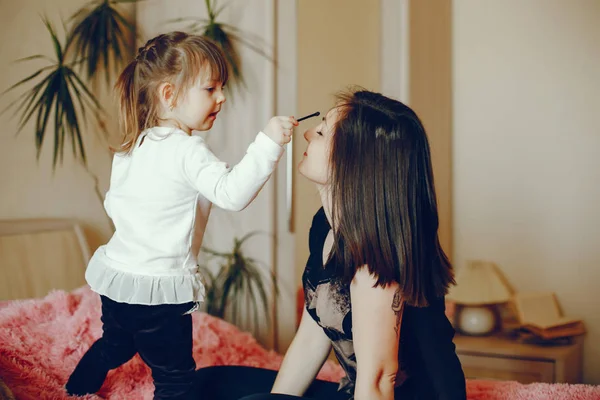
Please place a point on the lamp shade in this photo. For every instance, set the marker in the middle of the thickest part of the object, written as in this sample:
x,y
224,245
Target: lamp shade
x,y
480,283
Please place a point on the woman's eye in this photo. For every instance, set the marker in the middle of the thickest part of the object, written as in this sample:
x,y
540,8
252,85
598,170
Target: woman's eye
x,y
210,89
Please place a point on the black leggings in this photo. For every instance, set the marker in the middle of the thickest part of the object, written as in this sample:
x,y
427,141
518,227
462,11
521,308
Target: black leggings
x,y
248,383
161,334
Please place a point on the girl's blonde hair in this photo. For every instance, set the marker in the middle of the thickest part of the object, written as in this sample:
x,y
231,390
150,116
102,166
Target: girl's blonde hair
x,y
175,57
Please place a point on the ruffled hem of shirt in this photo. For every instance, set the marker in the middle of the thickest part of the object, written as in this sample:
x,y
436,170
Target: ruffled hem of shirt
x,y
124,287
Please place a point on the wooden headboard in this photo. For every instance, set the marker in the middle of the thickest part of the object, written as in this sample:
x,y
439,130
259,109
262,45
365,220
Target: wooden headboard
x,y
38,255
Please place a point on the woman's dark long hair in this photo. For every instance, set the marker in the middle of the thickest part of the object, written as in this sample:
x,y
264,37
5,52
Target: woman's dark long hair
x,y
384,203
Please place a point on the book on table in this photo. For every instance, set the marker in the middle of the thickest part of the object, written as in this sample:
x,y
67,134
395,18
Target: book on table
x,y
540,314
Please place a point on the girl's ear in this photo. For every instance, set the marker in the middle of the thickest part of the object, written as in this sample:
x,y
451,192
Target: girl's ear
x,y
166,94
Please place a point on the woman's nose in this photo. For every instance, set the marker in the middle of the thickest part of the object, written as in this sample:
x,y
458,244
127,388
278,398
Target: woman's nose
x,y
307,135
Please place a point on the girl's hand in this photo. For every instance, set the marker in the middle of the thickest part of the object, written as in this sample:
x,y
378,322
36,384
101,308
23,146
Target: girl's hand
x,y
279,129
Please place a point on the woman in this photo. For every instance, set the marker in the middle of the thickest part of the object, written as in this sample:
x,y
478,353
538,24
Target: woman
x,y
376,277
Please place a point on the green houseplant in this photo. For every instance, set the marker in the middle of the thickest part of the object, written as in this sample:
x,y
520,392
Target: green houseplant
x,y
240,289
102,36
61,101
226,36
61,94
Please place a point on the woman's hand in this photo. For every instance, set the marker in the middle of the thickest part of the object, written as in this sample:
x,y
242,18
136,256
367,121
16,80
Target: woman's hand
x,y
376,323
303,359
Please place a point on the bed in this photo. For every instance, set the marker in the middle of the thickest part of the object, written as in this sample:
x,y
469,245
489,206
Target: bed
x,y
41,340
43,337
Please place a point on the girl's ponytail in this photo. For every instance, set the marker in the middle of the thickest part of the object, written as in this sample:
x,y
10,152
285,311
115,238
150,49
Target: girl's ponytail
x,y
127,94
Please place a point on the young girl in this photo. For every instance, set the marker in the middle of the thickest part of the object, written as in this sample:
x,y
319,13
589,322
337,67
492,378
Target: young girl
x,y
164,181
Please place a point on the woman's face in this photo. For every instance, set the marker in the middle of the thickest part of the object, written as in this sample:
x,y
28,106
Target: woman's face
x,y
315,162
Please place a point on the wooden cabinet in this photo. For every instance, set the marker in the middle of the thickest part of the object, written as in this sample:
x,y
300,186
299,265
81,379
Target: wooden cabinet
x,y
499,358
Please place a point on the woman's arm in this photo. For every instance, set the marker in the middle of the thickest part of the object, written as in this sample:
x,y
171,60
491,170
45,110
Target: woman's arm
x,y
376,316
303,359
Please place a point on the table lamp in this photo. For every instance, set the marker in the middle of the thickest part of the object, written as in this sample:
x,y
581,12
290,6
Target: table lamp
x,y
480,287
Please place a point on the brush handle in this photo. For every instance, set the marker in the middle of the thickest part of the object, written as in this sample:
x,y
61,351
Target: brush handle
x,y
315,114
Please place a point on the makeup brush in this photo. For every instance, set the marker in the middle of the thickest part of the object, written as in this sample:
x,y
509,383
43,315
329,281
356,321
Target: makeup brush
x,y
315,114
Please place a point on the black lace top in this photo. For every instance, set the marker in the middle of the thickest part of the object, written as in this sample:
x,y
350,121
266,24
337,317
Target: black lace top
x,y
426,353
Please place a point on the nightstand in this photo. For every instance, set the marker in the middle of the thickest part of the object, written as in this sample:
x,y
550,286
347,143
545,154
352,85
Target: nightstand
x,y
500,358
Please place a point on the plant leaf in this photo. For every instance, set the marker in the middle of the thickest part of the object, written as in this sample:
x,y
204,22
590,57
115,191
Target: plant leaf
x,y
35,57
70,113
256,277
220,9
213,252
60,92
242,287
30,77
251,46
57,125
91,97
249,235
25,99
46,102
250,302
57,47
226,37
102,37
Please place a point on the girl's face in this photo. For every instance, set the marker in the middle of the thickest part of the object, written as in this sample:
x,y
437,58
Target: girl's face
x,y
315,162
198,107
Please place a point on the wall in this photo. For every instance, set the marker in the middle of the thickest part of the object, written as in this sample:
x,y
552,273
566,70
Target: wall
x,y
338,45
526,142
430,95
30,189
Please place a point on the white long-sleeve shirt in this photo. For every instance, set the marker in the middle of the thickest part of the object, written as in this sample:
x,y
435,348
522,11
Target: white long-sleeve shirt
x,y
159,199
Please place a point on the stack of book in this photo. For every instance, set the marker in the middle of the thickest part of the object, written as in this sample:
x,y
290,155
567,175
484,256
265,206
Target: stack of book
x,y
540,314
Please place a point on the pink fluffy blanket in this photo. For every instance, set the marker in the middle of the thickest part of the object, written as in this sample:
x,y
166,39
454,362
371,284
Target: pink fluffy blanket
x,y
42,340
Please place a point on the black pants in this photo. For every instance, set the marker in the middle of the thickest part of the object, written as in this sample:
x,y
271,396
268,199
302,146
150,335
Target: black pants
x,y
236,382
161,334
248,383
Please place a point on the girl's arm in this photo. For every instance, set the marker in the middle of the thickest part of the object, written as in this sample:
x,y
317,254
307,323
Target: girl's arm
x,y
229,188
376,317
303,359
